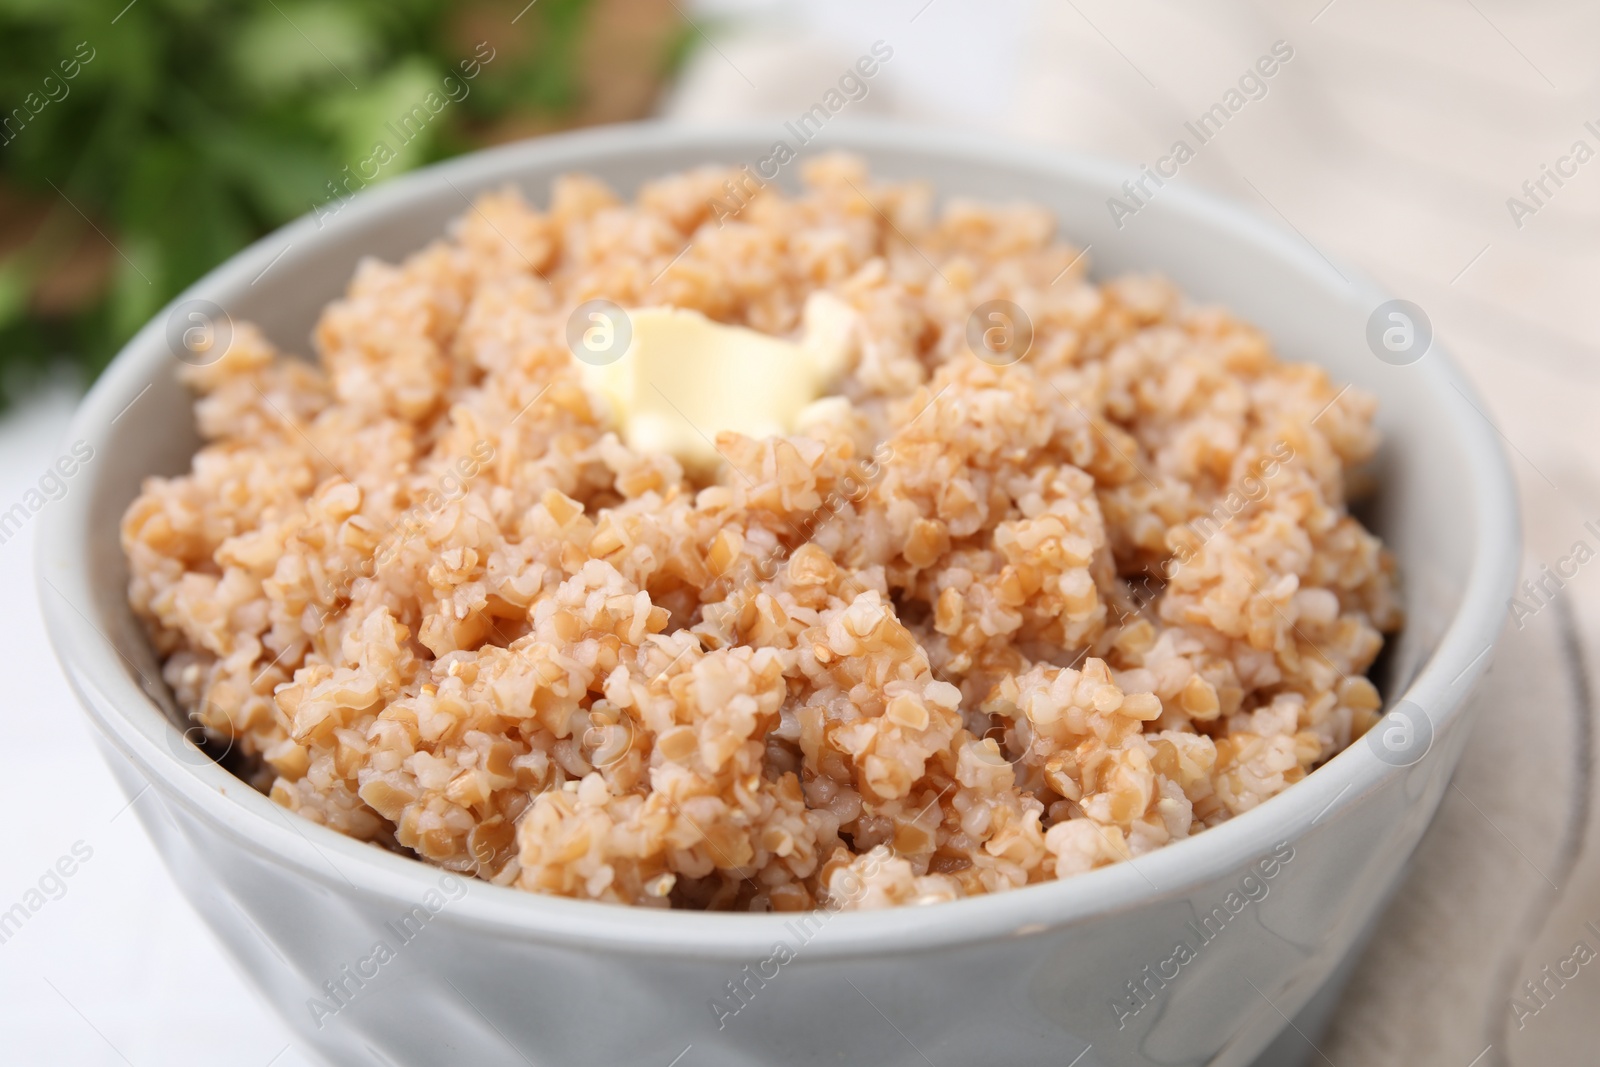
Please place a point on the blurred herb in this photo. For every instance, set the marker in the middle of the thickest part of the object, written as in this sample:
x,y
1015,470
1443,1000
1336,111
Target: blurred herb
x,y
142,143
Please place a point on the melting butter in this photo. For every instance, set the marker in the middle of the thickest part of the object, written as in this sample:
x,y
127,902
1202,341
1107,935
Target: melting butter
x,y
684,378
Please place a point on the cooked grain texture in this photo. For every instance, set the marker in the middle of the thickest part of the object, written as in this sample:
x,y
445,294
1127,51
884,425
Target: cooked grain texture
x,y
979,627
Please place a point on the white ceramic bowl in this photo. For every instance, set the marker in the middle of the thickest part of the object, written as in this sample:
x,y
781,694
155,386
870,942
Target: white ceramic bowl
x,y
488,976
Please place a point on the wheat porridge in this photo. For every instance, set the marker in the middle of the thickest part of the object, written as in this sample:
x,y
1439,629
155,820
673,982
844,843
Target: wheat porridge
x,y
963,628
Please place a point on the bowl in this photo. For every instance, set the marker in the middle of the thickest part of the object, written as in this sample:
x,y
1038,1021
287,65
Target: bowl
x,y
369,954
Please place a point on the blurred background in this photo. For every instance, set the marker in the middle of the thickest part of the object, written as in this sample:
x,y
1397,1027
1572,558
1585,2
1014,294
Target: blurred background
x,y
142,143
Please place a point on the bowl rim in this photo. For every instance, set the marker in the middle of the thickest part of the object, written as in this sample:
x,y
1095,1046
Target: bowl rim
x,y
132,722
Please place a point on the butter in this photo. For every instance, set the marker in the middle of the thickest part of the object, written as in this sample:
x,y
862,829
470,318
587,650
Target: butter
x,y
684,378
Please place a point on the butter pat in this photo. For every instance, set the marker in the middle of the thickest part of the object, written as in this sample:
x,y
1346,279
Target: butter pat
x,y
684,378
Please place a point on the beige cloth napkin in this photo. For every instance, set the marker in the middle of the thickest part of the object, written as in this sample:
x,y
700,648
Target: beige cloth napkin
x,y
1394,138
